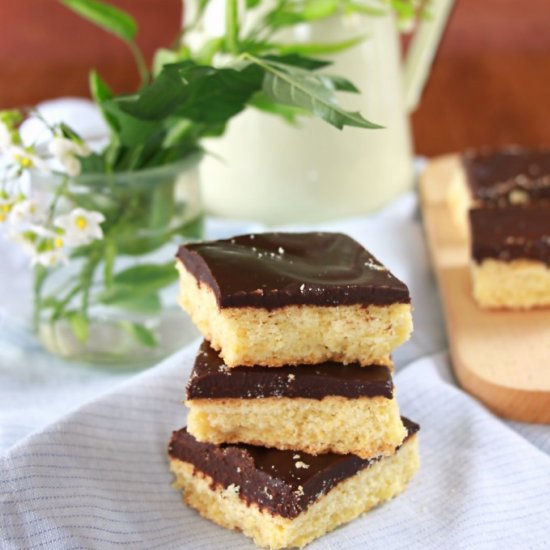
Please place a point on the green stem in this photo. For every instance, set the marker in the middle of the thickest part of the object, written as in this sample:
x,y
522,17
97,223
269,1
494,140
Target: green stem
x,y
86,279
140,62
37,114
60,308
62,189
40,274
232,26
176,44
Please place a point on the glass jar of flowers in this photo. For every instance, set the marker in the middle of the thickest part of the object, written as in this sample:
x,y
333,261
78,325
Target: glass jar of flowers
x,y
101,225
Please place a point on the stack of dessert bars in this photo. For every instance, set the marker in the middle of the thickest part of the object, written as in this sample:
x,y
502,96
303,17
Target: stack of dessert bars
x,y
500,200
293,427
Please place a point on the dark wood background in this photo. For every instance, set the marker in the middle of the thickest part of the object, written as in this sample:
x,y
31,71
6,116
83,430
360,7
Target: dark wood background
x,y
490,83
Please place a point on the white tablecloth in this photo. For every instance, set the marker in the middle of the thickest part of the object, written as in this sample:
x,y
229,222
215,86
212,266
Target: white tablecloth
x,y
98,477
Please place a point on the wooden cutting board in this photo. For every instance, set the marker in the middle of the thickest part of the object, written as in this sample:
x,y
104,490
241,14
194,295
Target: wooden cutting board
x,y
500,357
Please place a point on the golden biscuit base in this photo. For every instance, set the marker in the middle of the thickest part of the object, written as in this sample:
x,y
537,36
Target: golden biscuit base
x,y
367,427
292,335
380,482
518,284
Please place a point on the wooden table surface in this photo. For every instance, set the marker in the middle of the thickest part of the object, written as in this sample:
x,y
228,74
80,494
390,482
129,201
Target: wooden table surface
x,y
490,80
489,84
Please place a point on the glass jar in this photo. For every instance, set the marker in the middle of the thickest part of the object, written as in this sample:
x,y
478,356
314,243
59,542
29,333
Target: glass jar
x,y
115,301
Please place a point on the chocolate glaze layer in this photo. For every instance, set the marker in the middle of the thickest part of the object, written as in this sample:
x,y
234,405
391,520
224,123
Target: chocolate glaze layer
x,y
511,233
272,270
511,175
283,483
211,378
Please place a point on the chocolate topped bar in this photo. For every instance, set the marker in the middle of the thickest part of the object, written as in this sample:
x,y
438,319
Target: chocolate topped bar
x,y
284,483
512,175
273,270
511,233
211,378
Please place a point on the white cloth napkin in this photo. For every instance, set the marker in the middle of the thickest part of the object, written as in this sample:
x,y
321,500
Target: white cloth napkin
x,y
98,478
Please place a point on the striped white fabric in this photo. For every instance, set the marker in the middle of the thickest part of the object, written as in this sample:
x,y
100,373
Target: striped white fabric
x,y
98,478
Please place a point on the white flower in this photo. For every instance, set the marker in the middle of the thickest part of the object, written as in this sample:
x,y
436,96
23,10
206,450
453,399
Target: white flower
x,y
72,166
27,211
81,226
42,231
66,152
46,247
50,258
27,159
6,204
62,146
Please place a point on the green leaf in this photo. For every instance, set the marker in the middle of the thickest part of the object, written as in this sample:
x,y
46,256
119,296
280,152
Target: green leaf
x,y
150,276
172,145
340,83
118,294
292,86
251,4
99,88
288,14
130,300
179,131
50,302
159,99
404,8
319,9
135,285
129,158
58,310
299,60
131,131
110,257
213,95
79,326
11,117
93,164
162,206
127,242
68,132
148,304
107,17
312,48
101,92
206,95
359,7
143,155
164,57
141,333
203,4
286,112
209,49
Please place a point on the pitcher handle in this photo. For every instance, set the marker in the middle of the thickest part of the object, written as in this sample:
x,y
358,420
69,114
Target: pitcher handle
x,y
422,50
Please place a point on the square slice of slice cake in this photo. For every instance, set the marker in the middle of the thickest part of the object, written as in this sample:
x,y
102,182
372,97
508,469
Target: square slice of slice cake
x,y
284,499
489,178
321,408
511,256
278,299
